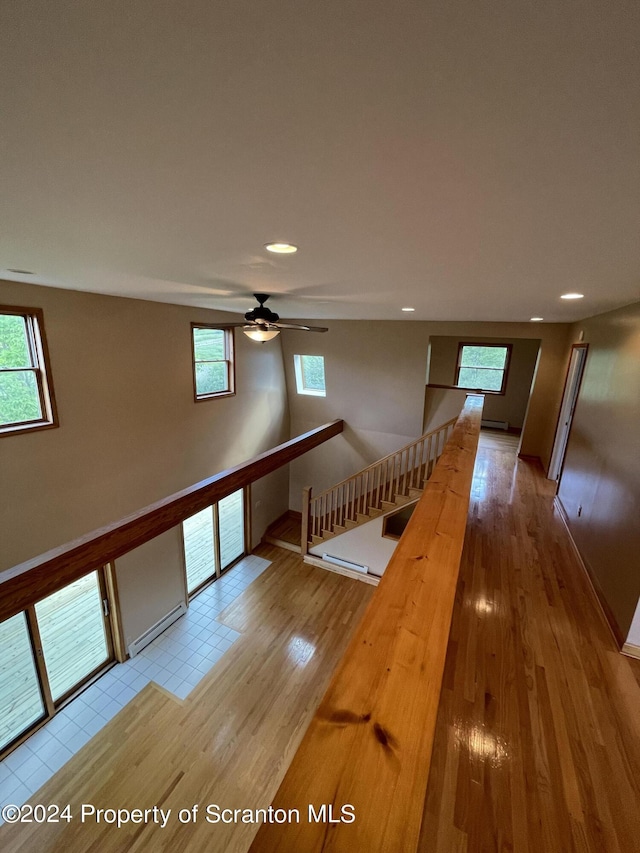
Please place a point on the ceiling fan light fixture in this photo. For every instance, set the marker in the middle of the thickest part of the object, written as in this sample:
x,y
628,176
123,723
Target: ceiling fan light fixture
x,y
281,248
261,335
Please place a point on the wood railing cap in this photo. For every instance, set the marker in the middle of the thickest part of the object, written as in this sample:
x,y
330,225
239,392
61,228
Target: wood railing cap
x,y
369,744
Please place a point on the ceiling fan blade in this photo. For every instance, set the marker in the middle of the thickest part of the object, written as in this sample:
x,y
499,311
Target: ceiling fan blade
x,y
229,325
302,328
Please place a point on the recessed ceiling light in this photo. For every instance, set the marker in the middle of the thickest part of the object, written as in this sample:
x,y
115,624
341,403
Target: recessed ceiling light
x,y
281,248
408,309
572,296
537,319
21,272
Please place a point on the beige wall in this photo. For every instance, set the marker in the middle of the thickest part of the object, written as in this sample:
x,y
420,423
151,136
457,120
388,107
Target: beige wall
x,y
601,473
151,582
375,374
511,406
130,432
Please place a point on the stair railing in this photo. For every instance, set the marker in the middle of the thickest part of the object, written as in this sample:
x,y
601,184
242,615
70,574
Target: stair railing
x,y
373,486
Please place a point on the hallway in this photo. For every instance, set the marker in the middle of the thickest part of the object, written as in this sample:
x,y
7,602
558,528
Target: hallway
x,y
537,743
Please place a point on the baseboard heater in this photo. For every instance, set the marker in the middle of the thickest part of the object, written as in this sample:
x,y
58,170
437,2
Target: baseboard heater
x,y
495,424
346,564
155,630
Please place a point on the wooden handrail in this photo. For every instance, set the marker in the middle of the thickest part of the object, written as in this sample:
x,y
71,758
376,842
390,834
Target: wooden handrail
x,y
389,456
393,475
32,580
369,743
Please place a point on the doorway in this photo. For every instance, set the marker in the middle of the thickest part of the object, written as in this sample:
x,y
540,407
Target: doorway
x,y
49,651
214,539
567,409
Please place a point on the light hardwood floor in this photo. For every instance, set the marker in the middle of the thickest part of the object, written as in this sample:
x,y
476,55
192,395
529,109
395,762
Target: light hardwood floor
x,y
230,741
537,745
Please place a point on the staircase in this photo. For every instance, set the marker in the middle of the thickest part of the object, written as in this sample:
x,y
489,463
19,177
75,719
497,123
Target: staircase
x,y
391,482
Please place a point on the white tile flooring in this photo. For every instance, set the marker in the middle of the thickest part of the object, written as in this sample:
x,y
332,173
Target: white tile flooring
x,y
176,660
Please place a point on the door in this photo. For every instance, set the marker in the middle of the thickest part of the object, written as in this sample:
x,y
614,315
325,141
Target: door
x,y
213,540
50,650
567,409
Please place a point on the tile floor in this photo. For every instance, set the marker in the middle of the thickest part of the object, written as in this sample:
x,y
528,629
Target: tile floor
x,y
176,660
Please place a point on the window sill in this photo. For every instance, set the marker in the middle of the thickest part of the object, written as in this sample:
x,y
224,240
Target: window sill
x,y
202,397
468,390
17,429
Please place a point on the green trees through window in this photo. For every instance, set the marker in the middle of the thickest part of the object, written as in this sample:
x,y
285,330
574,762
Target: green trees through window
x,y
25,399
212,361
483,367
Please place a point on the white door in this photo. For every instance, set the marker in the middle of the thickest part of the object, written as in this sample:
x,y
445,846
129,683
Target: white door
x,y
569,400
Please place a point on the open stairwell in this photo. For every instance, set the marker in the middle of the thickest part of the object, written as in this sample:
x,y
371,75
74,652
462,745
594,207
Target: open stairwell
x,y
391,482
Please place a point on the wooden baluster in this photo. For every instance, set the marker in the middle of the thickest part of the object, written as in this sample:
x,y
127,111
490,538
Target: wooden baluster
x,y
415,464
306,516
408,464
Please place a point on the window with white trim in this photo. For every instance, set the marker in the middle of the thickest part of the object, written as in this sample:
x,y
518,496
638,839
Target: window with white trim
x,y
310,375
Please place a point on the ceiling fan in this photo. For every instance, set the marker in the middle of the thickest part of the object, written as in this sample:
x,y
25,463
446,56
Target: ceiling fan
x,y
262,324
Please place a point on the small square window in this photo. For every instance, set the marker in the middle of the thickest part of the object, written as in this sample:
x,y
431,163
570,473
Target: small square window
x,y
213,369
483,367
310,375
26,394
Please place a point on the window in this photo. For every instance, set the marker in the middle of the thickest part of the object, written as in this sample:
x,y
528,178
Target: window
x,y
213,370
26,395
310,375
483,367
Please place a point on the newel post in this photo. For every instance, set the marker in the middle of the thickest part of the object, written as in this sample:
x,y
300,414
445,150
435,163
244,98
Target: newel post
x,y
306,520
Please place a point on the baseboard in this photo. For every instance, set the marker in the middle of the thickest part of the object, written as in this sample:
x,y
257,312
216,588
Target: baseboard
x,y
373,580
155,630
603,604
631,650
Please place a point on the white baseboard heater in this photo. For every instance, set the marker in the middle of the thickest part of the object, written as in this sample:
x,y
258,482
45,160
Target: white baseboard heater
x,y
495,424
155,630
346,564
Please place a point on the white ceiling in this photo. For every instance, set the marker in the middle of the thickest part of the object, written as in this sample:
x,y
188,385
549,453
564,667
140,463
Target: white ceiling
x,y
471,158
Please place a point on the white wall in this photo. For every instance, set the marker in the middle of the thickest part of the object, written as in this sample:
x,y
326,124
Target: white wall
x,y
151,581
634,631
365,545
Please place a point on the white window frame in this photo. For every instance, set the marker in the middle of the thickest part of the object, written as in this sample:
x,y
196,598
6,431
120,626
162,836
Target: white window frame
x,y
300,386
